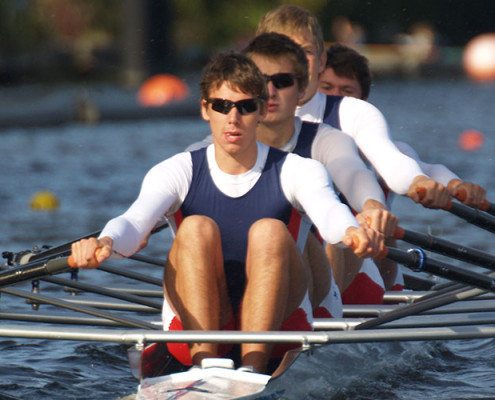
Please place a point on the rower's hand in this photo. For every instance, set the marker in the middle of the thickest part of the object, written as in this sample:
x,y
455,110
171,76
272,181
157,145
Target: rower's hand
x,y
376,216
90,253
365,242
468,193
429,193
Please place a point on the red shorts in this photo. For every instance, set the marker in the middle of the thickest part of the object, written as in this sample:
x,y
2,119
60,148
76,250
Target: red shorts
x,y
300,320
367,287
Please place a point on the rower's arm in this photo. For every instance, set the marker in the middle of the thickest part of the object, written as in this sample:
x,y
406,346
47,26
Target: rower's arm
x,y
164,188
369,129
338,152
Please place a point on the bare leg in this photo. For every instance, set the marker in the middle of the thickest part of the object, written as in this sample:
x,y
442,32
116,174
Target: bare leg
x,y
194,281
321,275
276,285
345,265
388,268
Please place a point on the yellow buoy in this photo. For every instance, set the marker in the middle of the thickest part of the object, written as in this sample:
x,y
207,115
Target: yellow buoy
x,y
44,200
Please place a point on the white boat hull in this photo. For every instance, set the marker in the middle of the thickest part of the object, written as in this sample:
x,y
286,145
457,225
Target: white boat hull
x,y
203,383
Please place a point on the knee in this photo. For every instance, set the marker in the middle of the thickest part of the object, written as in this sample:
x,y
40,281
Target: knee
x,y
196,227
268,231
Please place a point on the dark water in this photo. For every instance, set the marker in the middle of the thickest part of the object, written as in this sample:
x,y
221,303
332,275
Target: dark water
x,y
96,172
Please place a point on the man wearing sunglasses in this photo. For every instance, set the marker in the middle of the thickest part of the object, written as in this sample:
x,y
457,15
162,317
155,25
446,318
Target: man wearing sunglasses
x,y
285,67
358,119
234,262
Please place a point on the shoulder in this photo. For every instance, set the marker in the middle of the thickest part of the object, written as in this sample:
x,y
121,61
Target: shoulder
x,y
328,130
358,105
199,145
302,164
181,161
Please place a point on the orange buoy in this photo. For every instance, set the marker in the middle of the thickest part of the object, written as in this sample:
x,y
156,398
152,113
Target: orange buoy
x,y
162,89
479,57
471,140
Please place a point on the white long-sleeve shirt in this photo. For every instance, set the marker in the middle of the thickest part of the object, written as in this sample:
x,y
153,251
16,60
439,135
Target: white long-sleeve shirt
x,y
367,126
340,156
438,172
305,183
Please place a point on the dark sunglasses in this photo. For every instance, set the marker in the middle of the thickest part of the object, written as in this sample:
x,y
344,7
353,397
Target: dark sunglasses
x,y
244,107
282,80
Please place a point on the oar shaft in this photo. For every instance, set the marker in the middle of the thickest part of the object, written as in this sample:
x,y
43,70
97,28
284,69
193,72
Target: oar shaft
x,y
488,207
416,260
63,249
34,270
475,217
445,247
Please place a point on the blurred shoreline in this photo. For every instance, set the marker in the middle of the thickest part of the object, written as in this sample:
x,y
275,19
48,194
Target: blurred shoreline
x,y
37,105
42,104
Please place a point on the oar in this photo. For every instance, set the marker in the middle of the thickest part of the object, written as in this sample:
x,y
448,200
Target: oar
x,y
33,270
475,217
417,260
471,215
60,250
50,262
421,305
64,249
447,248
488,207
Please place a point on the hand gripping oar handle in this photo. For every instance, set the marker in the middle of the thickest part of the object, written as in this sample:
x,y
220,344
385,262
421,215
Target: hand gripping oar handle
x,y
485,206
65,248
447,248
34,270
475,217
417,260
72,263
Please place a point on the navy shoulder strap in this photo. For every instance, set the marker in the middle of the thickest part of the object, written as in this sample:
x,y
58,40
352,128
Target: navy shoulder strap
x,y
331,114
305,140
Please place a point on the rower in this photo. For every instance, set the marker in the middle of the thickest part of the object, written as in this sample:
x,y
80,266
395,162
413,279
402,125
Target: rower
x,y
359,119
234,262
347,73
285,66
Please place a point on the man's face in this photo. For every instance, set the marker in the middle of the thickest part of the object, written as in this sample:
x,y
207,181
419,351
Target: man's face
x,y
336,85
316,61
235,131
283,100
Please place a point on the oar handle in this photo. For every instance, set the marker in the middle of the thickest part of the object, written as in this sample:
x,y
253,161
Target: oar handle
x,y
355,244
421,191
471,215
462,194
72,262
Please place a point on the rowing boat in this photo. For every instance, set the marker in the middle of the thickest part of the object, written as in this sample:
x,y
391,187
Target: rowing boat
x,y
64,306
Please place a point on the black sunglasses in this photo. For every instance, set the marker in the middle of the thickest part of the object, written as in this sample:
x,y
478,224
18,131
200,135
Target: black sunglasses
x,y
244,107
282,80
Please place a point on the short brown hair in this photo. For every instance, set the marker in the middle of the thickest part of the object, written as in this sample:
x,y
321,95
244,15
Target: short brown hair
x,y
237,70
347,62
274,45
292,19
